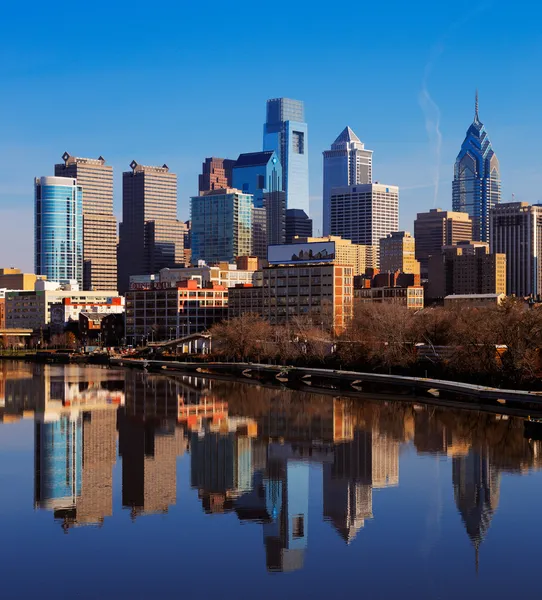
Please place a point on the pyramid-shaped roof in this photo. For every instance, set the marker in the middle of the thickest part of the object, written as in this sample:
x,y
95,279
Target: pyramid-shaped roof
x,y
347,135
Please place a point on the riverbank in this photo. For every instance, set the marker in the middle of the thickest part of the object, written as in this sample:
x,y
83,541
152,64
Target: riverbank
x,y
340,381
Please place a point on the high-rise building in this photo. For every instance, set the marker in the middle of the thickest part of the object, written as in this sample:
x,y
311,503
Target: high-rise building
x,y
148,194
221,226
259,233
397,253
347,163
99,223
365,213
59,241
216,174
438,228
477,185
285,132
298,224
466,268
260,174
516,231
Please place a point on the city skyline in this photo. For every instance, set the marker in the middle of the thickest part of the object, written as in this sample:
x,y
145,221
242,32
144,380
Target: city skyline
x,y
181,129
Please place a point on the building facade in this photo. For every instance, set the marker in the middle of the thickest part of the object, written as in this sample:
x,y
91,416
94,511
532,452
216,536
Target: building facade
x,y
221,226
365,213
99,223
171,312
298,224
285,132
347,163
68,310
437,228
148,194
216,174
476,187
516,231
260,174
397,253
412,296
225,274
466,268
13,279
58,223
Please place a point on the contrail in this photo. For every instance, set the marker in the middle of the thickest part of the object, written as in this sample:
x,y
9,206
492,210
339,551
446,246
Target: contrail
x,y
432,118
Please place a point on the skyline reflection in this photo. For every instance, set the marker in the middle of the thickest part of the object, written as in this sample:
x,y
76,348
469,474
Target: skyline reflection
x,y
251,451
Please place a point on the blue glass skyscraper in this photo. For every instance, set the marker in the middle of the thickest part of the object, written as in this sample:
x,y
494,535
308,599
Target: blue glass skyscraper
x,y
285,132
477,185
59,229
260,174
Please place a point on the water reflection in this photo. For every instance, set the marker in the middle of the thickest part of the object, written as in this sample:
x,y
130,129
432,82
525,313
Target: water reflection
x,y
251,451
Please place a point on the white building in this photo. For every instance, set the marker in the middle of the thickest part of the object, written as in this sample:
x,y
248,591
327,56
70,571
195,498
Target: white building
x,y
347,163
365,213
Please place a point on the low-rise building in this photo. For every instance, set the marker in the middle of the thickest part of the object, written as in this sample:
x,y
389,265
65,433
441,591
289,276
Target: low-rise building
x,y
108,329
245,298
68,309
33,310
171,311
473,300
410,296
13,279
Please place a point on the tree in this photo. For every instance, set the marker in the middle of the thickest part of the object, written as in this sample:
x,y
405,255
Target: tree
x,y
242,338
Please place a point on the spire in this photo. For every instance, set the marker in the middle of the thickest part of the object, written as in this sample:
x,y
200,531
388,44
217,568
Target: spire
x,y
476,119
347,135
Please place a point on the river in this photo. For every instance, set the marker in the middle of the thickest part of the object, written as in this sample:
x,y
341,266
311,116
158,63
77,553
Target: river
x,y
120,484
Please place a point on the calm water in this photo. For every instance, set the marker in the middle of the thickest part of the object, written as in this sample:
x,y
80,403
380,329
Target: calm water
x,y
116,484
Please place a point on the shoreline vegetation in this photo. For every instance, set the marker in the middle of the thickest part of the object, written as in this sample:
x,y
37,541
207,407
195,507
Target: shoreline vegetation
x,y
497,347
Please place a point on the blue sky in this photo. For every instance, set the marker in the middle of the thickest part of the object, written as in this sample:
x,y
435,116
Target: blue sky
x,y
175,82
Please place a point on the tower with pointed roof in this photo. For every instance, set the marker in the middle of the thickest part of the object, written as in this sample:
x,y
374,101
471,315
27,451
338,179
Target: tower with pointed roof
x,y
476,187
348,162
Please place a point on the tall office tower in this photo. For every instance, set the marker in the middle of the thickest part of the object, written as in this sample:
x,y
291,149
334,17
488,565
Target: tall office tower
x,y
397,253
99,224
516,230
259,233
221,226
298,224
365,213
150,234
216,174
285,132
438,228
476,188
260,174
466,268
58,239
347,163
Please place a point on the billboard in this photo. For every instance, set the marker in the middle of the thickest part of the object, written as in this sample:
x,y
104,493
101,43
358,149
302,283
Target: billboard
x,y
305,252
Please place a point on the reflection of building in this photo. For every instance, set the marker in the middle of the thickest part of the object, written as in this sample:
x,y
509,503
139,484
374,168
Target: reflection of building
x,y
149,451
221,462
369,461
476,490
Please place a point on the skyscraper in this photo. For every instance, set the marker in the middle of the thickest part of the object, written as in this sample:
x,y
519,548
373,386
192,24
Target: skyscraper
x,y
285,132
516,231
364,213
215,174
221,226
58,226
99,223
347,163
438,228
298,224
477,185
260,174
397,253
151,237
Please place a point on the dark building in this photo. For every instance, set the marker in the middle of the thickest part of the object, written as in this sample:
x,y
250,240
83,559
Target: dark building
x,y
216,174
298,224
151,237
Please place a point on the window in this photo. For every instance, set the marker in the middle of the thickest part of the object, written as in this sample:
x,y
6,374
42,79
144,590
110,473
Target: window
x,y
298,142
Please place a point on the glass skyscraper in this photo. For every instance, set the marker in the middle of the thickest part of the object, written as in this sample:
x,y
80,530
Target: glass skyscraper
x,y
477,184
347,163
59,229
285,132
221,226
